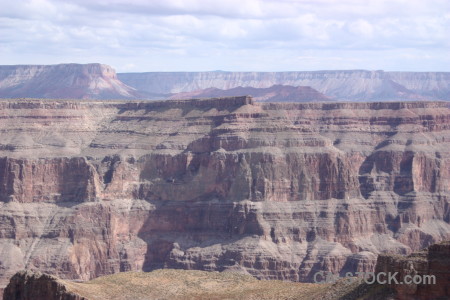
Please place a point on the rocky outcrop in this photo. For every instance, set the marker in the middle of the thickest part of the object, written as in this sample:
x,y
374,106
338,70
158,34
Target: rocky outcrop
x,y
275,93
429,269
350,85
278,191
69,81
28,285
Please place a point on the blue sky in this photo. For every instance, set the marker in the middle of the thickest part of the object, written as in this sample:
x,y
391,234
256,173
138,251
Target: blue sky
x,y
232,35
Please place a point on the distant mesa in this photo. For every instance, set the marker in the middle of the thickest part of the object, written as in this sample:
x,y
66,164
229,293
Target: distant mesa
x,y
65,81
275,93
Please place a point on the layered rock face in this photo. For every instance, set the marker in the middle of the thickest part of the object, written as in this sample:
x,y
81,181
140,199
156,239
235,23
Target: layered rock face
x,y
352,85
69,81
278,191
433,262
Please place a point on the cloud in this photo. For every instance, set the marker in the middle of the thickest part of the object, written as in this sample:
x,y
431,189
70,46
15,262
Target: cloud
x,y
231,35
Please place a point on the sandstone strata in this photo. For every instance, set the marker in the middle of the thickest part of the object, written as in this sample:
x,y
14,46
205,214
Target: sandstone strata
x,y
278,191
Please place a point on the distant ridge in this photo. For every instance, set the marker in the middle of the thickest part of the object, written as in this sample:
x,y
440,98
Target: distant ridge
x,y
349,85
275,93
66,81
99,81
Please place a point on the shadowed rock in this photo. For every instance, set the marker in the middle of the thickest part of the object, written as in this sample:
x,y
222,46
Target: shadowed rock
x,y
29,285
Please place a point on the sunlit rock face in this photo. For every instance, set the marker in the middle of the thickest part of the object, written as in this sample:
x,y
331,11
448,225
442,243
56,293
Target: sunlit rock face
x,y
279,191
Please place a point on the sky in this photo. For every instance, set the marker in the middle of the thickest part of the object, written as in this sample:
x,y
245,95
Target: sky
x,y
230,35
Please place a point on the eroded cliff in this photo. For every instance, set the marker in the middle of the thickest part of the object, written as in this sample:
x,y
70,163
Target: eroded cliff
x,y
278,191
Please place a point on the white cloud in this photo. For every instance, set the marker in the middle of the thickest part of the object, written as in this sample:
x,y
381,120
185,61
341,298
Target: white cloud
x,y
230,35
361,28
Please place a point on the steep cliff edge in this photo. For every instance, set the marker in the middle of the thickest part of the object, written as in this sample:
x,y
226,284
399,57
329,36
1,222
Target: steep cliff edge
x,y
349,85
278,191
69,81
429,270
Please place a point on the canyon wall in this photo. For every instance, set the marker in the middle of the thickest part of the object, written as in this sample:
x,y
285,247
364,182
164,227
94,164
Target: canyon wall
x,y
351,85
278,191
